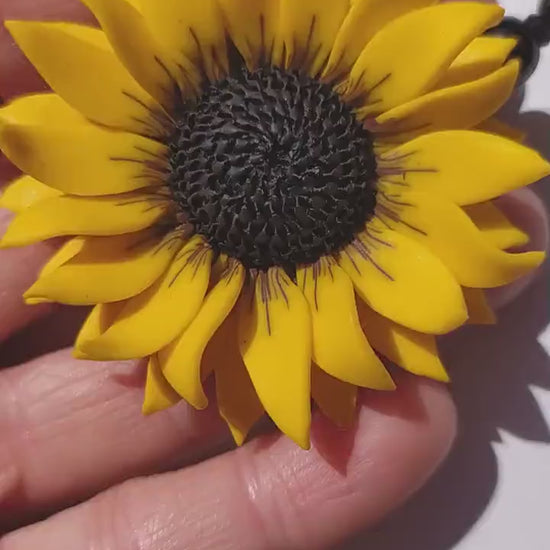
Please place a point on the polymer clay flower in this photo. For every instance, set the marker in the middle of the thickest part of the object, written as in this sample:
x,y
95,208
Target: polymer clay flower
x,y
286,195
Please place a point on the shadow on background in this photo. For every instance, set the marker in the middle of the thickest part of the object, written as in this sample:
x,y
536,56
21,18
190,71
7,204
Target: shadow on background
x,y
492,370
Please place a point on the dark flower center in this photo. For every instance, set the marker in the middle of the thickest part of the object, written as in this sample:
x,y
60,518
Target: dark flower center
x,y
273,169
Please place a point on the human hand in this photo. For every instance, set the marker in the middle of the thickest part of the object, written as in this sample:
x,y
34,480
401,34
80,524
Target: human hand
x,y
73,429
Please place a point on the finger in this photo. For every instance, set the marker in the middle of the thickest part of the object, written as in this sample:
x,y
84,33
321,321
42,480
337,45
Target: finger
x,y
270,494
18,270
526,210
65,493
71,428
55,328
17,75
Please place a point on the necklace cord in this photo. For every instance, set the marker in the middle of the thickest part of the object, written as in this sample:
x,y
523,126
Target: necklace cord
x,y
532,33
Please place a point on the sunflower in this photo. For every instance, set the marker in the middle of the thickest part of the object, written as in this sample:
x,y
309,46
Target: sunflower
x,y
286,196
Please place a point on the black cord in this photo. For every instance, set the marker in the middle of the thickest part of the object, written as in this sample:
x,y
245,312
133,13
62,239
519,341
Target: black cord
x,y
533,34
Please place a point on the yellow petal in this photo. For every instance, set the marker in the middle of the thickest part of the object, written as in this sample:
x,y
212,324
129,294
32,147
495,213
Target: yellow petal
x,y
307,30
275,342
135,43
413,351
496,126
150,321
158,393
24,192
238,401
252,27
339,345
218,348
41,109
404,281
65,253
106,269
98,322
448,232
412,53
479,310
192,30
495,226
99,216
181,360
465,166
462,106
336,399
81,159
483,56
364,20
78,63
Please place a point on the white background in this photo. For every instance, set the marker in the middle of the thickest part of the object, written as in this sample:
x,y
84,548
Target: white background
x,y
493,493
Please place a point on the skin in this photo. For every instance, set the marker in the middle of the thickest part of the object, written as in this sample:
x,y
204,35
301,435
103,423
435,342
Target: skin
x,y
76,449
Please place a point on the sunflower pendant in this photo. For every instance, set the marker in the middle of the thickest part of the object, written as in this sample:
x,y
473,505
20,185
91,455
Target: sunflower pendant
x,y
285,196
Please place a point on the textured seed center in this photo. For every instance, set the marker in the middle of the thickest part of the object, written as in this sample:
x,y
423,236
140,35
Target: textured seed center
x,y
273,169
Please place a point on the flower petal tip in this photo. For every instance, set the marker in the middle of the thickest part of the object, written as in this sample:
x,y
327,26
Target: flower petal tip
x,y
90,350
536,258
488,320
238,437
14,237
435,372
34,293
521,238
442,377
35,300
87,349
6,243
149,409
495,13
79,354
544,166
303,439
200,403
526,263
12,24
385,383
459,319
